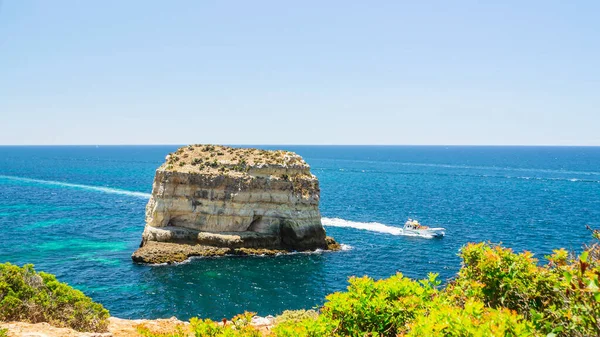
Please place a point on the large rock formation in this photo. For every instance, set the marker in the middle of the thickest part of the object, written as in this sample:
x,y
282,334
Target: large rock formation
x,y
214,200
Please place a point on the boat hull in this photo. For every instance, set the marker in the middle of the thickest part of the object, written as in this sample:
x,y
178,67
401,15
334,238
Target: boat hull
x,y
428,232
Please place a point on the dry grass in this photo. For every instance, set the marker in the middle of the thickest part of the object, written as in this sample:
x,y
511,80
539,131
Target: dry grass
x,y
221,159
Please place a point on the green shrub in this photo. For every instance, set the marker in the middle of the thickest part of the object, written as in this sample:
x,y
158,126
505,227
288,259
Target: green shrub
x,y
146,332
239,326
474,319
3,332
295,316
577,310
381,307
38,297
308,327
497,293
501,278
561,298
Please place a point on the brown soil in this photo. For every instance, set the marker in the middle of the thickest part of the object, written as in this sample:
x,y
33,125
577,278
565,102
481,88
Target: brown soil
x,y
117,328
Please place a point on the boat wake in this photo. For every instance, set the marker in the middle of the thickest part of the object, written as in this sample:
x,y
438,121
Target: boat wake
x,y
370,226
330,222
102,189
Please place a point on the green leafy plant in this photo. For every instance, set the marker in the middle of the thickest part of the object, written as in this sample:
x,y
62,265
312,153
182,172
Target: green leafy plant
x,y
28,296
472,319
560,298
382,307
239,327
296,316
146,332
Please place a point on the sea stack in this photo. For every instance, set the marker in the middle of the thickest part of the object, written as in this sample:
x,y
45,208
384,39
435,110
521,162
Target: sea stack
x,y
212,200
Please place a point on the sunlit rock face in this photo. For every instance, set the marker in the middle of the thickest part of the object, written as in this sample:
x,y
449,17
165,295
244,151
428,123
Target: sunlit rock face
x,y
219,196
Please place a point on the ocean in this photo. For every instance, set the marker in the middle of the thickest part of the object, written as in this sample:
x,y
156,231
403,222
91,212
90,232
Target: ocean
x,y
78,212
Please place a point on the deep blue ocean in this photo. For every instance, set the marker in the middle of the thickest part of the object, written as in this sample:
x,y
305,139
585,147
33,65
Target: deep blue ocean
x,y
78,212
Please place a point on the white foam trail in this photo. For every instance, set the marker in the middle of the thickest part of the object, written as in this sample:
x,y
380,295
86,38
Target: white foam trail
x,y
369,226
331,222
79,186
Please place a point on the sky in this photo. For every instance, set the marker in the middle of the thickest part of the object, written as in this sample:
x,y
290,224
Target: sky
x,y
459,72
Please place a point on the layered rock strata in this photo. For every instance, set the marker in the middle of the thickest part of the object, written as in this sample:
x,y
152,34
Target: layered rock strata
x,y
214,200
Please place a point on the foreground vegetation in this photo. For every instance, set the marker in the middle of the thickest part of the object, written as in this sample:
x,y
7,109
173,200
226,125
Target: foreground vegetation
x,y
28,296
497,292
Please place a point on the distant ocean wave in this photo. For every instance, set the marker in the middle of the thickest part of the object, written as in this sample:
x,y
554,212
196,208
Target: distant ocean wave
x,y
549,179
494,176
102,189
469,167
498,168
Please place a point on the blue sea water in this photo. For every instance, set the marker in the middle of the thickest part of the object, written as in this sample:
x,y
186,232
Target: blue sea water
x,y
78,212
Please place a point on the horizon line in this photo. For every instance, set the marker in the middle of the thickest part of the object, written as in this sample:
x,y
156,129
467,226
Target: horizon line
x,y
289,144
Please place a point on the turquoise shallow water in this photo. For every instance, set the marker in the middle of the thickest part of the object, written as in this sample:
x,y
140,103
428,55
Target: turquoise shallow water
x,y
78,212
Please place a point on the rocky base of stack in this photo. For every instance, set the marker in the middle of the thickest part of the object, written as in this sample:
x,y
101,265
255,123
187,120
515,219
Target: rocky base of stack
x,y
154,252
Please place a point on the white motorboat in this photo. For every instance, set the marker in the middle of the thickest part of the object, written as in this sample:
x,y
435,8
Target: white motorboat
x,y
414,227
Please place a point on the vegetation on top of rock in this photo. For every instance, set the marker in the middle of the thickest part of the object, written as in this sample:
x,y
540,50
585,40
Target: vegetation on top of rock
x,y
218,158
28,296
496,293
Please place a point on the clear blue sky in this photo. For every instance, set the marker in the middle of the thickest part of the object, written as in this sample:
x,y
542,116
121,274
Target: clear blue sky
x,y
300,72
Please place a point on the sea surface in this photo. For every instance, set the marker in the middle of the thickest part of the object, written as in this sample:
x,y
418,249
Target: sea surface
x,y
78,212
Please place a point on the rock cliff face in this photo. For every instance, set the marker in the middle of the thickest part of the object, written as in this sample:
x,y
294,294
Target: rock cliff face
x,y
215,200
